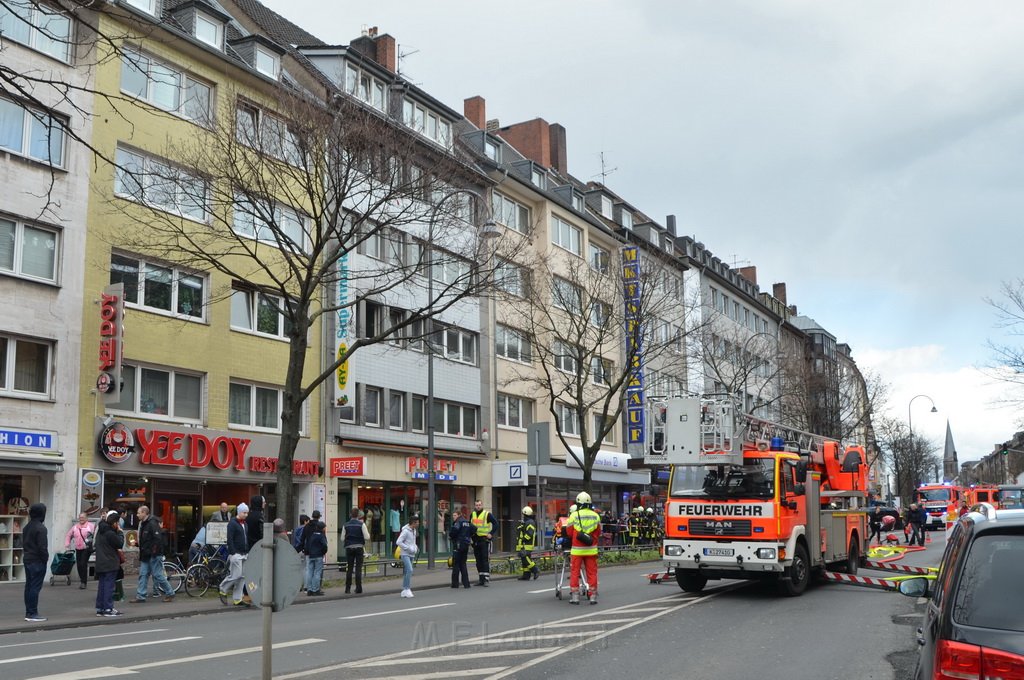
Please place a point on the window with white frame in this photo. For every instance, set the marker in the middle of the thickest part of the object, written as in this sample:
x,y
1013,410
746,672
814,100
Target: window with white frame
x,y
449,270
209,31
511,213
427,123
32,133
514,412
568,419
160,185
267,133
372,406
600,314
566,295
29,251
363,86
166,87
26,367
512,344
511,278
148,6
601,371
491,150
600,258
254,407
417,415
600,421
161,393
566,357
396,410
35,25
267,62
566,236
537,178
160,288
577,202
270,222
456,344
257,312
454,420
626,218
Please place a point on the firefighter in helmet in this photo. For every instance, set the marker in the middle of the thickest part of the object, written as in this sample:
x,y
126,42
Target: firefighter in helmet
x,y
583,531
653,530
526,541
633,526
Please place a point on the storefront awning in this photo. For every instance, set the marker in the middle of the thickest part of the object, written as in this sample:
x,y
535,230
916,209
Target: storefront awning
x,y
575,474
14,460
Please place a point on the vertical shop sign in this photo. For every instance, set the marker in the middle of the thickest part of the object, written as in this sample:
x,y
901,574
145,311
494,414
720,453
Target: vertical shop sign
x,y
108,383
343,392
632,290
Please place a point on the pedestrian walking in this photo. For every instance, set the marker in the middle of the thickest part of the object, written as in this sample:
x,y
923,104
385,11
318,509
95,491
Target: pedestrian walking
x,y
81,534
108,543
254,521
584,529
151,557
315,547
526,541
354,536
406,544
238,549
221,515
35,554
485,528
460,536
920,523
875,524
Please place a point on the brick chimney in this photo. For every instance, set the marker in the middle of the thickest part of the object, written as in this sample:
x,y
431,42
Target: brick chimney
x,y
387,52
749,273
475,110
558,151
531,138
779,292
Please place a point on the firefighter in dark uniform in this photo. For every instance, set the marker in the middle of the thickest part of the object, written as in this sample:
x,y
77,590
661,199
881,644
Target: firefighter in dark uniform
x,y
526,541
485,527
633,526
652,526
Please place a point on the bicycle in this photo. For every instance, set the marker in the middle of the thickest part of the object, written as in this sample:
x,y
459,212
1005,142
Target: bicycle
x,y
174,570
207,571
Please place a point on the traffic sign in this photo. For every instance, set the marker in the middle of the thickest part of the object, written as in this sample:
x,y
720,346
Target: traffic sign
x,y
287,574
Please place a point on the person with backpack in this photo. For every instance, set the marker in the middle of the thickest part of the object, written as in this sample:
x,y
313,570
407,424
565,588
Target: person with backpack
x,y
82,534
354,536
583,530
315,547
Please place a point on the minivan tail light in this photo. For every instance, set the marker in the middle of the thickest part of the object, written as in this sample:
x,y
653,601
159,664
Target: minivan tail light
x,y
957,661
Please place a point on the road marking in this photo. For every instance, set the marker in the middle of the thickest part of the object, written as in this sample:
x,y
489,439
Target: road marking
x,y
545,590
456,657
606,622
132,670
86,637
468,673
646,609
94,649
396,611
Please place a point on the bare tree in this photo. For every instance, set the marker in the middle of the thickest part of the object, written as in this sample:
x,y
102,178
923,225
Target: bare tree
x,y
278,209
742,364
1007,364
912,459
588,346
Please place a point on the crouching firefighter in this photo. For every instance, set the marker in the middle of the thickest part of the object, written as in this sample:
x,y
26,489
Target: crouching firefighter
x,y
584,530
526,541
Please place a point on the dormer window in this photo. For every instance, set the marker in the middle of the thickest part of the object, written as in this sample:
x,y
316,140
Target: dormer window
x,y
626,218
577,202
427,123
537,178
148,6
267,63
491,150
210,31
606,207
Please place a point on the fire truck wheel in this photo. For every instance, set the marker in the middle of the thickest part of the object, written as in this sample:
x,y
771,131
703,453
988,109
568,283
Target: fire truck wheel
x,y
852,558
799,573
690,581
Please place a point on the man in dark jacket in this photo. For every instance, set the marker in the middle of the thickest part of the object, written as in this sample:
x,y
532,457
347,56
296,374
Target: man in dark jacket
x,y
254,521
315,547
151,557
35,554
354,536
238,548
460,536
109,540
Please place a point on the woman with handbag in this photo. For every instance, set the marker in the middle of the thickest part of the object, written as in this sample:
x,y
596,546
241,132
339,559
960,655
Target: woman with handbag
x,y
407,549
82,534
108,544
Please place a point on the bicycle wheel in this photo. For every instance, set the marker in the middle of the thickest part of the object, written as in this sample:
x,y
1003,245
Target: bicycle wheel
x,y
218,569
175,576
197,580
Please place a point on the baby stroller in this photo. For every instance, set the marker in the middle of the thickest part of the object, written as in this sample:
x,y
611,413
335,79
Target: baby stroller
x,y
564,564
62,564
888,525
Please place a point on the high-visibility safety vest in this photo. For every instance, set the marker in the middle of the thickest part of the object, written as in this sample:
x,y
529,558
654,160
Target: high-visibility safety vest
x,y
479,521
526,535
634,525
584,522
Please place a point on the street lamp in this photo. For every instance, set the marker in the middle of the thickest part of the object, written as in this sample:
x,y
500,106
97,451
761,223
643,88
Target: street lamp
x,y
488,231
910,421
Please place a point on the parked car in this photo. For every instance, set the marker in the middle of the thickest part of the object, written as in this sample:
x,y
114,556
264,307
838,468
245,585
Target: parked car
x,y
974,622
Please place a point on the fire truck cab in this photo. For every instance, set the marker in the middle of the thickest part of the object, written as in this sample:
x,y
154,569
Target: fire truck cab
x,y
940,501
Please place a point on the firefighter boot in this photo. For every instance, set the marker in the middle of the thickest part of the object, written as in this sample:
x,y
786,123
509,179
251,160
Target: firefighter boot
x,y
536,573
593,597
574,597
525,576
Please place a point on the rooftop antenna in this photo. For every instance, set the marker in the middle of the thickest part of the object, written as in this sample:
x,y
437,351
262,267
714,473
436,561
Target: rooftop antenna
x,y
402,55
605,170
736,262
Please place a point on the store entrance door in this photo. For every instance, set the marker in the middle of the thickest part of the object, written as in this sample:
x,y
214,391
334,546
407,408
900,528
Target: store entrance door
x,y
182,515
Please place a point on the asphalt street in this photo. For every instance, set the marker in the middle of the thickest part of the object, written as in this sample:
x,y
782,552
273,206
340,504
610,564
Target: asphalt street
x,y
512,629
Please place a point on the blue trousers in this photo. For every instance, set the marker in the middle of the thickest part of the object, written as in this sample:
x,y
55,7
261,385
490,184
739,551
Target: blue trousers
x,y
35,572
314,573
105,590
154,567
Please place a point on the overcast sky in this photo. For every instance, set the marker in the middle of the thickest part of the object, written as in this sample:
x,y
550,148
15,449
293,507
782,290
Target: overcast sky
x,y
868,154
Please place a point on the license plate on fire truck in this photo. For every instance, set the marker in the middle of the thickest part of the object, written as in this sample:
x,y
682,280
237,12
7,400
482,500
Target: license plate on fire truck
x,y
718,552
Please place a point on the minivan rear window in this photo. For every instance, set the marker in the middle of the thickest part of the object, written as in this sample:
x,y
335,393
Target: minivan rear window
x,y
989,594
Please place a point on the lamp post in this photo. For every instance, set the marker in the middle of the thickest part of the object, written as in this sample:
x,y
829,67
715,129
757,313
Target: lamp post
x,y
910,421
488,230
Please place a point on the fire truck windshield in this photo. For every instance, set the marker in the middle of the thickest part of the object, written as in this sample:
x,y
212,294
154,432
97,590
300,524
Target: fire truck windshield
x,y
754,479
933,494
1011,498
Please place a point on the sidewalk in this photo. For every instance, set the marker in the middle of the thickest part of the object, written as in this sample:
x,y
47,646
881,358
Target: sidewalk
x,y
68,606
